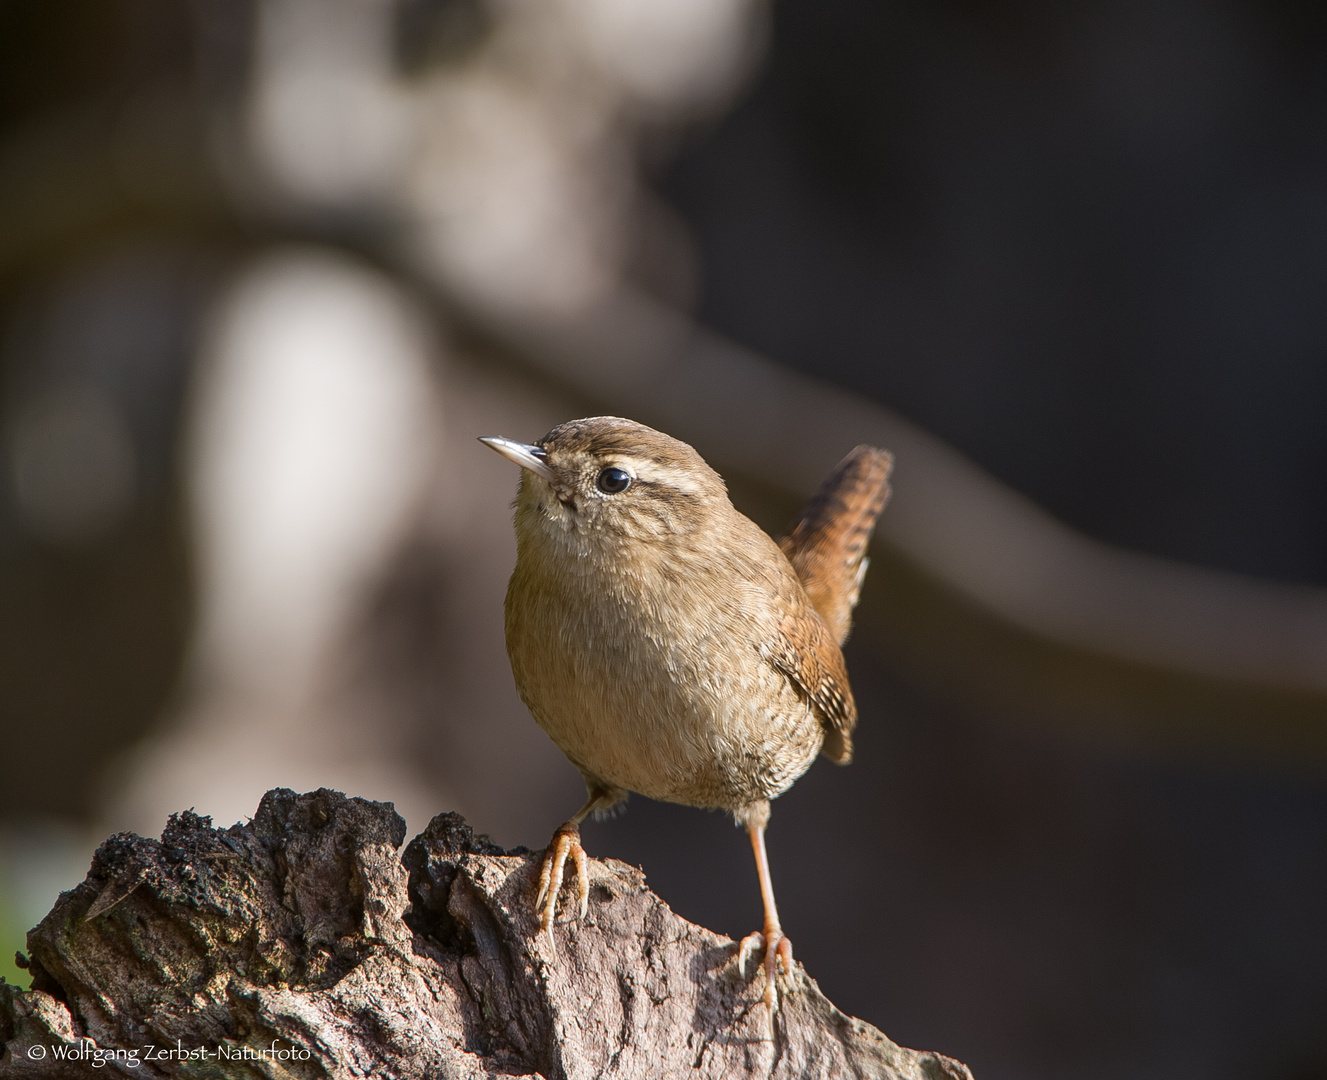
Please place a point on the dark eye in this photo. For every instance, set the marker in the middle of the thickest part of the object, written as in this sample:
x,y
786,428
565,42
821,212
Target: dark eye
x,y
613,481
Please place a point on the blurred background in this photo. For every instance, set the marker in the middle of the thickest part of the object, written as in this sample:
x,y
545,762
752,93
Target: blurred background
x,y
268,267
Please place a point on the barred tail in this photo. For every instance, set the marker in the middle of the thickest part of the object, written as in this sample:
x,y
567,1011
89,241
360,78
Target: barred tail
x,y
828,545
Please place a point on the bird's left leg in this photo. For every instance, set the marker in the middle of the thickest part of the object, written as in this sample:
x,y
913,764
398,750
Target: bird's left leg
x,y
567,842
771,939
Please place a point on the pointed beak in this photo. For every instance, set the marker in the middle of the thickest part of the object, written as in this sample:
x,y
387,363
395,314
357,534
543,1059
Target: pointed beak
x,y
525,455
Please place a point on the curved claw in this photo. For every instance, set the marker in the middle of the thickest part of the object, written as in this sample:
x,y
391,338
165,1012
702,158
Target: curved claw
x,y
566,842
778,957
749,946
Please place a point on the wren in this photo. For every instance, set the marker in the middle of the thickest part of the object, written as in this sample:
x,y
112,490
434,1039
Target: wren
x,y
670,647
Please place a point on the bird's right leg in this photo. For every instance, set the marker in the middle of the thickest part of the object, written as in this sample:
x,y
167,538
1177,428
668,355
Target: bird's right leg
x,y
772,941
567,842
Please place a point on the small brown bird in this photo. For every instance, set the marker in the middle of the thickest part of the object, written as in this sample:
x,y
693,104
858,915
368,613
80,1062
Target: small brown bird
x,y
668,645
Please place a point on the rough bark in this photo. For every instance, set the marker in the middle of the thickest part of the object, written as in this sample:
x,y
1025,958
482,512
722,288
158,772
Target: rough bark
x,y
302,944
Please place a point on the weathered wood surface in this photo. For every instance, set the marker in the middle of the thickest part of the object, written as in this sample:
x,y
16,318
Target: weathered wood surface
x,y
303,944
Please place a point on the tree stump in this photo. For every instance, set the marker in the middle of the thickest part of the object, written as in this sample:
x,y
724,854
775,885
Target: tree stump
x,y
303,944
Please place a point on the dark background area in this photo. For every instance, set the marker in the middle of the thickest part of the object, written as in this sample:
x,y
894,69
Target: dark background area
x,y
1086,244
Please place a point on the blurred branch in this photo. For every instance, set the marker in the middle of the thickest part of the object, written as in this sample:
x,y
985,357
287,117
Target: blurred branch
x,y
948,516
304,937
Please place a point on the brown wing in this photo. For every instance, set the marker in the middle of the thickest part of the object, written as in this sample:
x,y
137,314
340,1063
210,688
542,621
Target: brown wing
x,y
805,653
828,545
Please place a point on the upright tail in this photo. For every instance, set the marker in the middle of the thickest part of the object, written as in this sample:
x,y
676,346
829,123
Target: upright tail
x,y
828,545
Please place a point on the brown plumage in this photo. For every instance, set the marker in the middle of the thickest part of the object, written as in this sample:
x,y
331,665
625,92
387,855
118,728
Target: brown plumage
x,y
667,644
827,549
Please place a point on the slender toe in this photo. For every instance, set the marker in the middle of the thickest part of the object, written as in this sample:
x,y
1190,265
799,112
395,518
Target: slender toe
x,y
771,980
778,953
548,903
582,878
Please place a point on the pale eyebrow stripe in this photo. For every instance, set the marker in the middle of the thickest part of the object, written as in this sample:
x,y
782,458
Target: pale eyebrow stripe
x,y
651,472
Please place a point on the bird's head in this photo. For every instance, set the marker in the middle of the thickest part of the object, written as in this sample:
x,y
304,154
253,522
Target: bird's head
x,y
612,480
